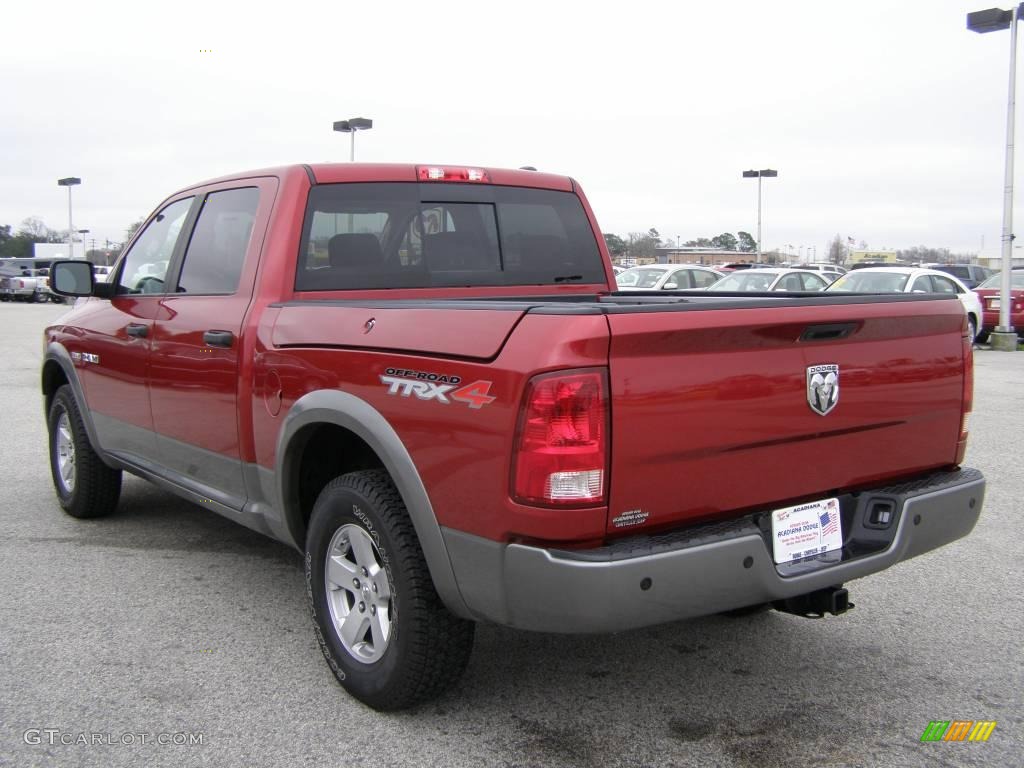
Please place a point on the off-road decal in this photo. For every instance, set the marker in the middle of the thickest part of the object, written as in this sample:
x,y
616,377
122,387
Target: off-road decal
x,y
436,386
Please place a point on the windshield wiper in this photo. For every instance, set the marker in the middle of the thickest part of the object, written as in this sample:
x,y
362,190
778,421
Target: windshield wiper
x,y
566,278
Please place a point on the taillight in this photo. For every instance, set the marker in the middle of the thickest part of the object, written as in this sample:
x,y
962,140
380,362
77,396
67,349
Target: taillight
x,y
561,443
446,173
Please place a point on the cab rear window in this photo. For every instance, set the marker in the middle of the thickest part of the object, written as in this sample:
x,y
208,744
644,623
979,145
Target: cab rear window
x,y
407,235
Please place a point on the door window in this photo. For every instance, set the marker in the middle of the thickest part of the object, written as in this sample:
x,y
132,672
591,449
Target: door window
x,y
813,282
703,278
678,279
145,266
943,285
216,253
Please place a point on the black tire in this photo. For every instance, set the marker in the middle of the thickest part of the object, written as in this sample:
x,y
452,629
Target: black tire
x,y
94,488
972,329
981,338
428,648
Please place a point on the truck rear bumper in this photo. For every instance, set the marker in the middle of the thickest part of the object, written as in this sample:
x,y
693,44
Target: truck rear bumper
x,y
650,580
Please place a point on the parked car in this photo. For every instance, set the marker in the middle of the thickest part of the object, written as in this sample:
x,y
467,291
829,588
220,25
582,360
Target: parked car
x,y
467,423
971,275
912,280
22,284
831,274
101,273
734,265
667,277
880,265
771,279
822,266
989,295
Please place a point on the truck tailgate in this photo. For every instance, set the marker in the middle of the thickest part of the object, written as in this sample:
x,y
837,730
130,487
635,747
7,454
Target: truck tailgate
x,y
710,411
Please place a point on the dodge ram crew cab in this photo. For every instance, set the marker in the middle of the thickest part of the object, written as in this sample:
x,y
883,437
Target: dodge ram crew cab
x,y
424,379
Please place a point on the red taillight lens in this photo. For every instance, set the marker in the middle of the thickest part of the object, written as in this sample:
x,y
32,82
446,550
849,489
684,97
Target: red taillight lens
x,y
445,173
561,444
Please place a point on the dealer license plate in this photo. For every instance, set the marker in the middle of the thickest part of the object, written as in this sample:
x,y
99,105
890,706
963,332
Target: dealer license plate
x,y
993,303
806,530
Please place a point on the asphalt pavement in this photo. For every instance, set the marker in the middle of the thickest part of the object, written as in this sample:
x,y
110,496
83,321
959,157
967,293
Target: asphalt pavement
x,y
166,623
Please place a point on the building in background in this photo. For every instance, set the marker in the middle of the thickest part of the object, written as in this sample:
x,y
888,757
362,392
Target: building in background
x,y
56,251
712,257
885,257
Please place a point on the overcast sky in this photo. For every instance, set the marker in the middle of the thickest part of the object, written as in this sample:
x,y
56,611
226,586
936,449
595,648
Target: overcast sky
x,y
886,120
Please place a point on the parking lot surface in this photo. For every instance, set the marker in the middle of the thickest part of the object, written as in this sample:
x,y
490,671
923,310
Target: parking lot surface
x,y
166,623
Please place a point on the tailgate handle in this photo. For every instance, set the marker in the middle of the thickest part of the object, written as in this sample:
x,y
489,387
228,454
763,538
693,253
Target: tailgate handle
x,y
828,332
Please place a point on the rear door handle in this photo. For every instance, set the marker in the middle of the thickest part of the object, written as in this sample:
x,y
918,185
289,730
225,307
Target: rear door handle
x,y
138,330
218,338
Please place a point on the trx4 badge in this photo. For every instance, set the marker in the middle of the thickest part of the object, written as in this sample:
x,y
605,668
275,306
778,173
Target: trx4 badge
x,y
436,386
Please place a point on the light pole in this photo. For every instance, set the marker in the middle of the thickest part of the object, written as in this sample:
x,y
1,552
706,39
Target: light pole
x,y
83,233
69,182
1004,337
765,173
350,126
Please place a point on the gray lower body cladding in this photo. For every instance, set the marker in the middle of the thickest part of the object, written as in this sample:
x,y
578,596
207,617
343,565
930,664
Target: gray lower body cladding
x,y
647,580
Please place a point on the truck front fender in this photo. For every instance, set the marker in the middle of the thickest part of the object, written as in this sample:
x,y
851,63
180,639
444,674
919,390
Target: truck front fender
x,y
57,355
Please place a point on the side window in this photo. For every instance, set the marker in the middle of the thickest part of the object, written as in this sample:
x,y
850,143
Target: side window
x,y
702,279
790,283
943,285
678,279
216,253
145,266
813,282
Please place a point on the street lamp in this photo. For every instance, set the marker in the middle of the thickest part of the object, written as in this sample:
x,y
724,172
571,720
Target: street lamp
x,y
992,20
350,126
69,182
766,173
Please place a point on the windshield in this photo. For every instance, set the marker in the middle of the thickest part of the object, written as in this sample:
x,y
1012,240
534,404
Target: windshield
x,y
870,282
640,277
744,281
996,281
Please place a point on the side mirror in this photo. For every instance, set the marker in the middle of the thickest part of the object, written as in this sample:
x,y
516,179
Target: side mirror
x,y
670,287
76,279
72,278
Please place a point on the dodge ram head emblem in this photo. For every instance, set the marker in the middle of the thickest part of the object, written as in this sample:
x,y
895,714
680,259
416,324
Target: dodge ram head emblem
x,y
822,388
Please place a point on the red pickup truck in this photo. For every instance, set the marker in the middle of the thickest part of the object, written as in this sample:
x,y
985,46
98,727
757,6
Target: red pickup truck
x,y
423,378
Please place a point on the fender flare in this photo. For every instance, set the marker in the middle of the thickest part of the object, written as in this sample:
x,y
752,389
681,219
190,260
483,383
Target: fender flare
x,y
331,406
58,354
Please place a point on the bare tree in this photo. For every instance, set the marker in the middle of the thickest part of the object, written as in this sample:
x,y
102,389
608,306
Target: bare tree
x,y
837,250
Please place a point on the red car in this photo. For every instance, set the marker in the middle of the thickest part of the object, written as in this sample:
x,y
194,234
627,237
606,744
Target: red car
x,y
989,291
423,379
